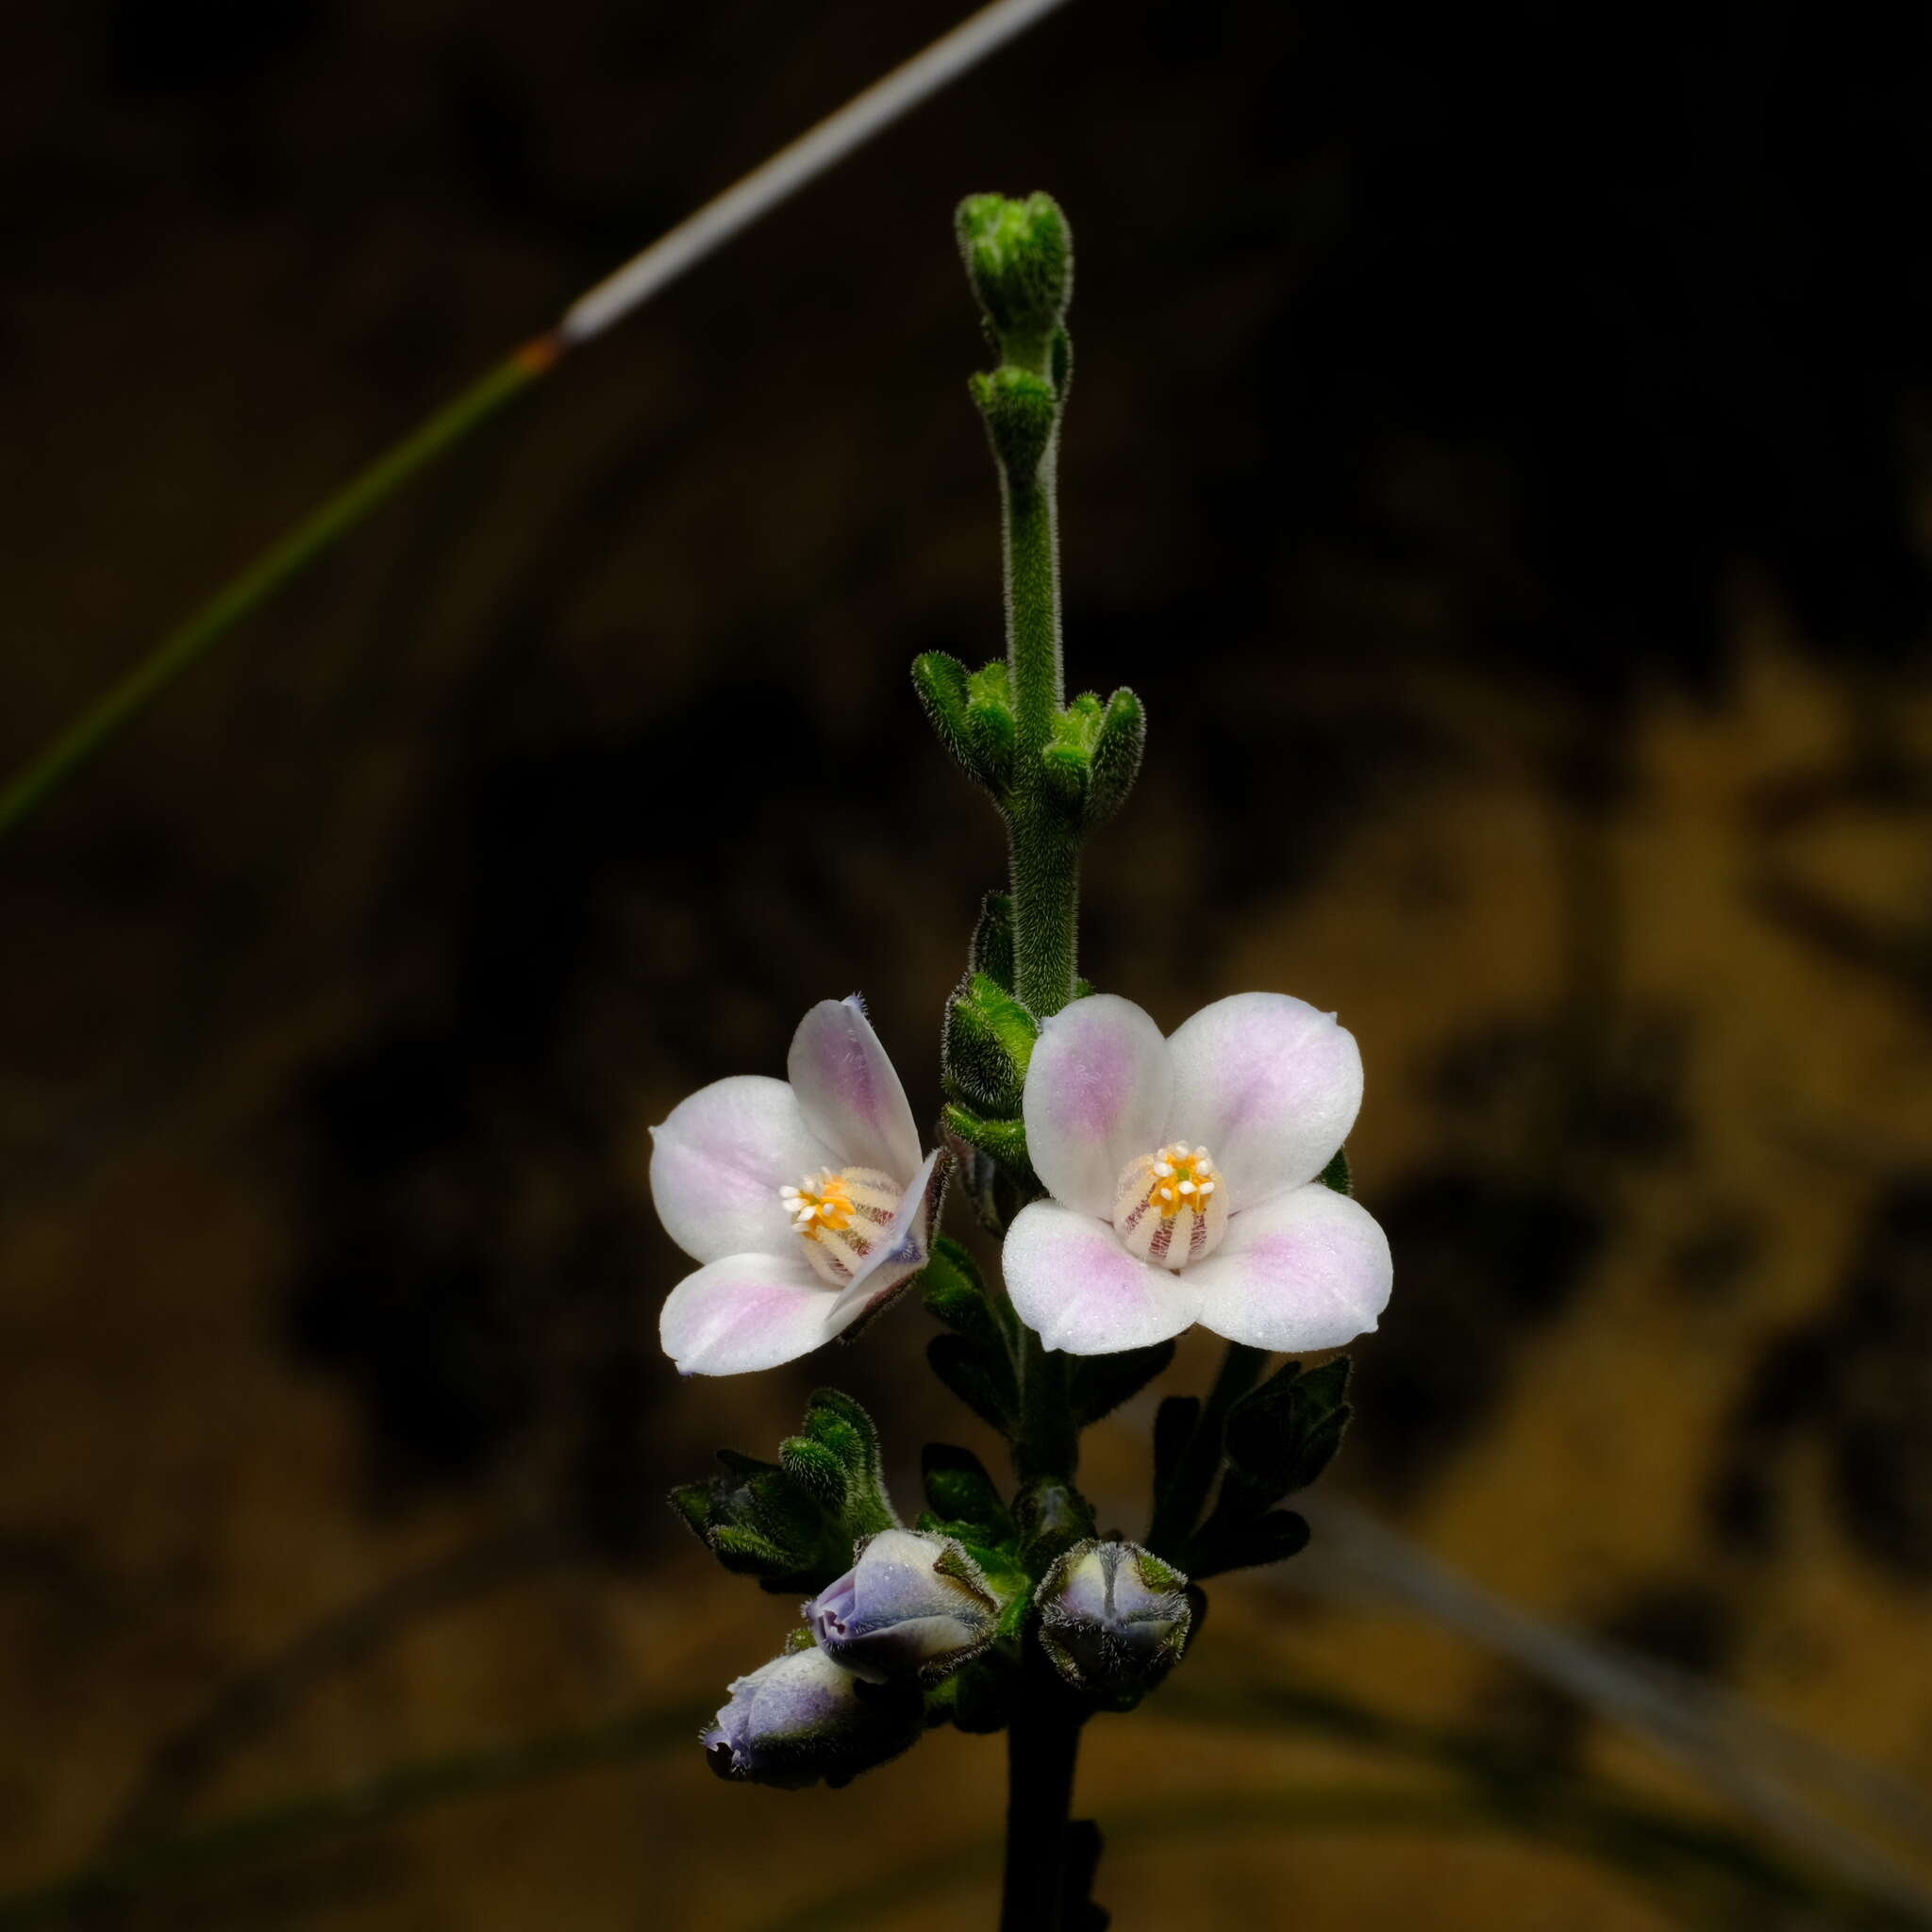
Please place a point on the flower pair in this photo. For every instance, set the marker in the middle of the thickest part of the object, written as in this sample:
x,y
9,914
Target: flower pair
x,y
1184,1176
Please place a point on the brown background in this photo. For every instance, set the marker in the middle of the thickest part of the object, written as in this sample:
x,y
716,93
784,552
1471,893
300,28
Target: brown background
x,y
1497,456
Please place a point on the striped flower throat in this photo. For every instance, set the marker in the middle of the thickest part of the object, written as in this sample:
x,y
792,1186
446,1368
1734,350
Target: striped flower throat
x,y
1171,1207
839,1217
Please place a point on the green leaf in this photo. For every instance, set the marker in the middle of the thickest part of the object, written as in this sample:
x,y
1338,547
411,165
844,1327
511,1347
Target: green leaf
x,y
1271,1538
816,1467
1098,1384
991,952
959,1489
1004,1141
1285,1434
967,1371
693,1502
1337,1175
954,1293
977,1697
745,1553
1118,745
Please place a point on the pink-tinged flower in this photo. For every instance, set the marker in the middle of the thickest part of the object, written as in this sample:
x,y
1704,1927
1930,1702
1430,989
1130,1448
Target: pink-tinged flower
x,y
805,1199
1183,1181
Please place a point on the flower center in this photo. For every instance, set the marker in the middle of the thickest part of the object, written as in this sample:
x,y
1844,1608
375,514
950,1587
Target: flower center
x,y
839,1217
1170,1207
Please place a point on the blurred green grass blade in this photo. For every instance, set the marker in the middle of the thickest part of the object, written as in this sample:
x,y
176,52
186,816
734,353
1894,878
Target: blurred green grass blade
x,y
774,181
183,646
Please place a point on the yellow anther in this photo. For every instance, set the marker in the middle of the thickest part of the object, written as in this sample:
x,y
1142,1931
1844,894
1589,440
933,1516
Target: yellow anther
x,y
1167,1206
839,1217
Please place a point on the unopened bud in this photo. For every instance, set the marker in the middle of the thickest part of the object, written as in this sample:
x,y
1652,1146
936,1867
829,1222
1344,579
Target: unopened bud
x,y
987,1042
1113,1618
911,1606
1020,259
800,1719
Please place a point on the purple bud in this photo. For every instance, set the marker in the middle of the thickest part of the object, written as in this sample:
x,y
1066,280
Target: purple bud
x,y
911,1606
1113,1618
800,1718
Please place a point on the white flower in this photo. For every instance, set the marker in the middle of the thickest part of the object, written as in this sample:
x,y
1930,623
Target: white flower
x,y
805,1199
1183,1181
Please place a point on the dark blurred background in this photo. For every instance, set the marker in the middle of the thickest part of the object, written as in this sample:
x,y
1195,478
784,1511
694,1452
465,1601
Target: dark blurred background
x,y
1498,455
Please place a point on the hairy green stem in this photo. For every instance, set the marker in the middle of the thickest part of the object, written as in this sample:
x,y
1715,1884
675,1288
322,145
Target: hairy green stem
x,y
314,534
1043,1741
1047,1443
1177,1510
1046,842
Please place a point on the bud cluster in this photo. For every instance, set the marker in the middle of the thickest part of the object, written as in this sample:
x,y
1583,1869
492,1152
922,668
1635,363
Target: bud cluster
x,y
791,1522
1092,757
849,1691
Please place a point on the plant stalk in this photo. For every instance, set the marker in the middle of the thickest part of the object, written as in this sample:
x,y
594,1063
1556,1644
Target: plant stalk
x,y
1045,841
1042,1744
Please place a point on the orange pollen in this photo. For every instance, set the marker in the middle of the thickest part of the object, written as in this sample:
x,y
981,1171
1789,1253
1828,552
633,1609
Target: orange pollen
x,y
821,1205
1182,1177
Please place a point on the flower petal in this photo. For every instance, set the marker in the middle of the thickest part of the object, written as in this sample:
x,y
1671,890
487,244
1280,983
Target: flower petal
x,y
1309,1269
718,1163
746,1311
1097,1090
1270,1085
851,1095
1071,1278
893,1262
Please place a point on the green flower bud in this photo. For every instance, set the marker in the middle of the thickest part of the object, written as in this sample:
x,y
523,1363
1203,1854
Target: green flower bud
x,y
1021,413
1018,257
989,1042
1094,754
